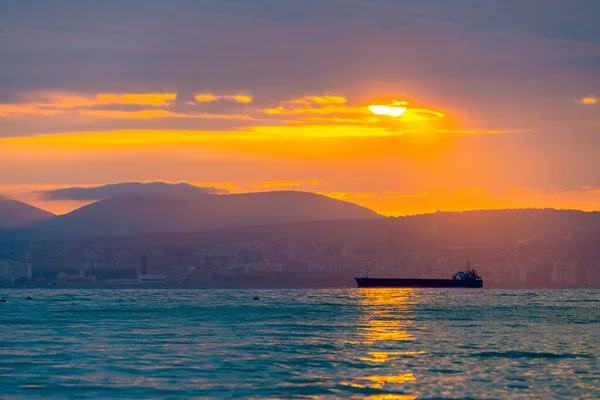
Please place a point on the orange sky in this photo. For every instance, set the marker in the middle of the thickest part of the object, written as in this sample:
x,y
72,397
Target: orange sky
x,y
476,107
415,162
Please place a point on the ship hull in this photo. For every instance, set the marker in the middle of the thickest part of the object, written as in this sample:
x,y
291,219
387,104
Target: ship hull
x,y
417,283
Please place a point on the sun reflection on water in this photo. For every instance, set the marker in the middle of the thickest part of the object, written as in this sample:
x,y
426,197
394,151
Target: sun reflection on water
x,y
378,381
387,315
383,356
383,332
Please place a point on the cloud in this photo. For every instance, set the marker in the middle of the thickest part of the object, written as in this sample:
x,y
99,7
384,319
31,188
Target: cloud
x,y
209,97
590,100
310,110
149,114
121,106
126,189
338,110
215,44
314,105
52,103
41,102
7,110
346,117
74,100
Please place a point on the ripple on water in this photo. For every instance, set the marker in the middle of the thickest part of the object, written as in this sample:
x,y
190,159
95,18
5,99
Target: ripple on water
x,y
299,343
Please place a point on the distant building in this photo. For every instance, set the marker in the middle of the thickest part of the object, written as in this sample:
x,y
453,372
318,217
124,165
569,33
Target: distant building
x,y
122,281
86,265
11,270
180,273
152,279
143,264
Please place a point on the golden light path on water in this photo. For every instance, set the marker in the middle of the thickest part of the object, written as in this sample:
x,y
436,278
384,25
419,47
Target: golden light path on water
x,y
384,326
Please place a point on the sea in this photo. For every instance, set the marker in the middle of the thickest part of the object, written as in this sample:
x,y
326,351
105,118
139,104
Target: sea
x,y
336,343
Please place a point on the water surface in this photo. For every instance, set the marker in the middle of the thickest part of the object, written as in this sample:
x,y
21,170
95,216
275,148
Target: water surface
x,y
347,343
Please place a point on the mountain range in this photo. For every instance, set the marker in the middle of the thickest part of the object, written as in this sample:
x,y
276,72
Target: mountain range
x,y
143,214
15,214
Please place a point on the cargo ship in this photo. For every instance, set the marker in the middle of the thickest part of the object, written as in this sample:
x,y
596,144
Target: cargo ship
x,y
461,279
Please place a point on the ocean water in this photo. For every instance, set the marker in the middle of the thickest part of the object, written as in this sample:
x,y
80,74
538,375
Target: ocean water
x,y
348,343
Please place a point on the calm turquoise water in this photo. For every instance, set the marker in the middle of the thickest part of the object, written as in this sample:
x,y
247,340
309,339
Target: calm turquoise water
x,y
375,343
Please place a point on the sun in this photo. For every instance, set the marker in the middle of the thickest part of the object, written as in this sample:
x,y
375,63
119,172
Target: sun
x,y
395,110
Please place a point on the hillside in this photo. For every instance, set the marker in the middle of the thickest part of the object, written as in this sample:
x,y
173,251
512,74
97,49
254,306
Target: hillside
x,y
15,214
165,214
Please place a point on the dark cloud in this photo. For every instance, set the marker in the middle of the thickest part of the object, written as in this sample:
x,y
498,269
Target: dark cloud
x,y
461,53
216,45
127,189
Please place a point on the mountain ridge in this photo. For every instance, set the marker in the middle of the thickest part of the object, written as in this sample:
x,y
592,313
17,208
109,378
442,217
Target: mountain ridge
x,y
163,213
16,214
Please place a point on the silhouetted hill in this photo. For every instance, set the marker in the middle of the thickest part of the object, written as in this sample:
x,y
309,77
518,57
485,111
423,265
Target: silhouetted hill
x,y
454,228
128,189
15,214
164,214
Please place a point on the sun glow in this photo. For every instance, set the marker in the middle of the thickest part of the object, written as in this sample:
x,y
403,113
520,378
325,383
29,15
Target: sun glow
x,y
395,110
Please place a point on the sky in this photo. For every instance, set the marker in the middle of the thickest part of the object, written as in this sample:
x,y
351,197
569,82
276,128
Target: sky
x,y
495,103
